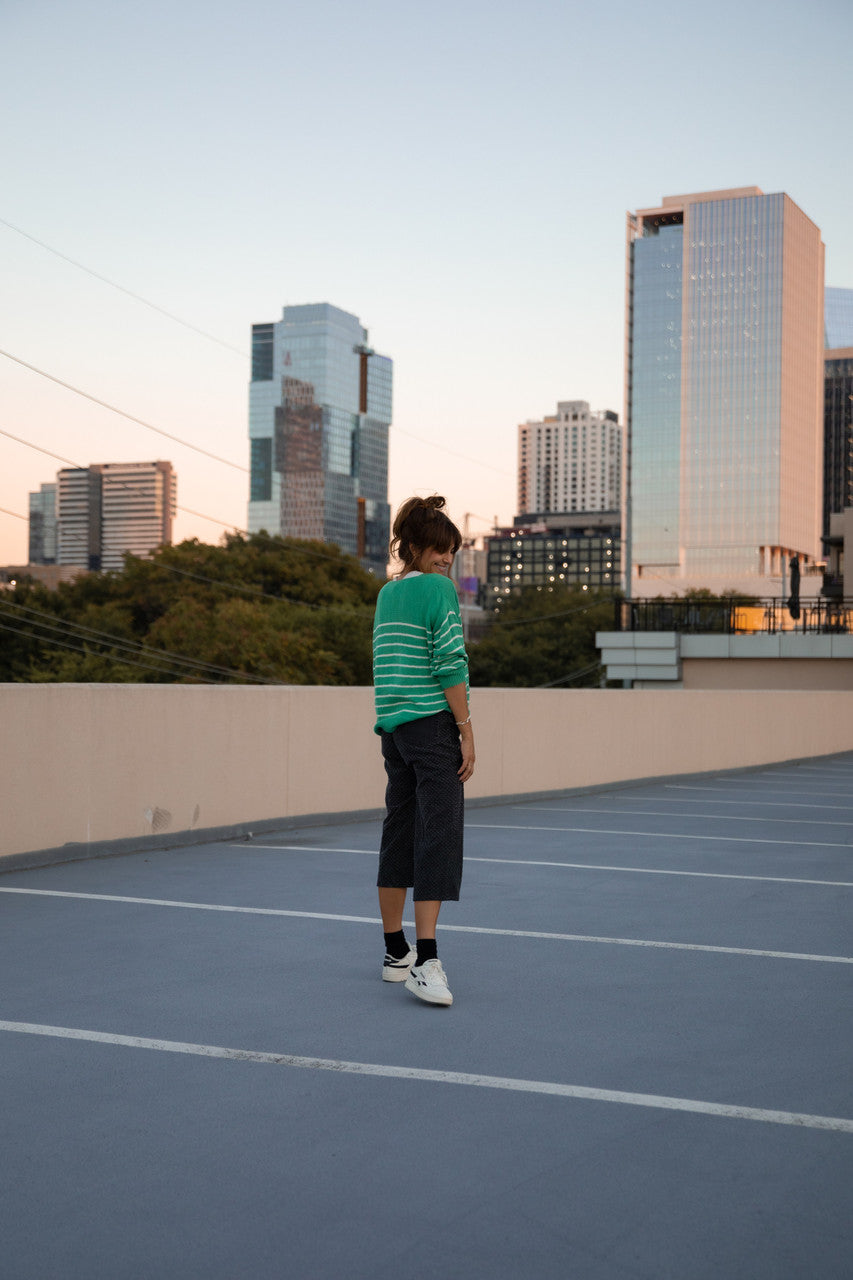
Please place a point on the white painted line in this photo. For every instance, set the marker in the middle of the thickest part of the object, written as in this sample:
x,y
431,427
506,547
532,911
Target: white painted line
x,y
836,1124
661,835
305,848
656,813
450,928
582,866
665,871
638,942
845,808
195,906
784,788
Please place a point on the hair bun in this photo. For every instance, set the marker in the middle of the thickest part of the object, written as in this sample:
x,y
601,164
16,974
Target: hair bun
x,y
434,502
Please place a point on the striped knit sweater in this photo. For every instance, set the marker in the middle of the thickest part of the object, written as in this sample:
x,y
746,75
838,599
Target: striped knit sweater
x,y
418,650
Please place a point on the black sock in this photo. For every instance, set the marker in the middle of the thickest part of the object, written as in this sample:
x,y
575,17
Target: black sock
x,y
396,945
426,950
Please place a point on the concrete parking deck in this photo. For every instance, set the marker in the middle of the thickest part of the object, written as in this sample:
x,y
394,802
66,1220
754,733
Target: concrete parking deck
x,y
646,1071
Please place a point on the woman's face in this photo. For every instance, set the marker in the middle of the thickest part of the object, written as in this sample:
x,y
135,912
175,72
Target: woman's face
x,y
432,561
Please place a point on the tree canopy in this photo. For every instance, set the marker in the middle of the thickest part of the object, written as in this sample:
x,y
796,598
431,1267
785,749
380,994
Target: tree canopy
x,y
253,609
544,637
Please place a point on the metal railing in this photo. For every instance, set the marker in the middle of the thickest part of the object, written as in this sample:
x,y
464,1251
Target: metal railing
x,y
735,617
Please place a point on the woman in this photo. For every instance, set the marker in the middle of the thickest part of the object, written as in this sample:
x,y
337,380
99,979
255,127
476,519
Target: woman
x,y
420,676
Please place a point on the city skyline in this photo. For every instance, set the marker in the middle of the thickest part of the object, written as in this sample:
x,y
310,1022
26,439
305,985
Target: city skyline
x,y
461,233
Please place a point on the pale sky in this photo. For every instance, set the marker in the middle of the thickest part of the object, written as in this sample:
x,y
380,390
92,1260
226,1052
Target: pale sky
x,y
455,174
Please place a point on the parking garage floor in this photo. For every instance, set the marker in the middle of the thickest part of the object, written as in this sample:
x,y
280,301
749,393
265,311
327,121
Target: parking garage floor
x,y
646,1071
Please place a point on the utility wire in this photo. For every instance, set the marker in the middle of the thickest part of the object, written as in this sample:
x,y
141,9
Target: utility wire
x,y
546,617
245,589
316,555
212,338
267,595
124,662
86,635
573,675
466,457
136,296
79,466
130,417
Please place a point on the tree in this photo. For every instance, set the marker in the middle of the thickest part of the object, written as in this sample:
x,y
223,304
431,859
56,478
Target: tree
x,y
257,608
544,637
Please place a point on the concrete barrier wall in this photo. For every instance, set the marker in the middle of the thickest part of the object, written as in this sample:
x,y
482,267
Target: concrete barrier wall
x,y
93,763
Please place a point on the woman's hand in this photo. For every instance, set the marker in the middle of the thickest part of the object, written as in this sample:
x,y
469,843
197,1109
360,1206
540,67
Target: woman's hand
x,y
466,742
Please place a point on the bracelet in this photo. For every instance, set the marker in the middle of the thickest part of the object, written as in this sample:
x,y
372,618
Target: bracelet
x,y
460,724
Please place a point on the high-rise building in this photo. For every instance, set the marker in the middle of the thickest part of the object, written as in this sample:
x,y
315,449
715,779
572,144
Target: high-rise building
x,y
42,541
319,412
111,508
837,407
78,514
570,462
137,508
724,354
569,550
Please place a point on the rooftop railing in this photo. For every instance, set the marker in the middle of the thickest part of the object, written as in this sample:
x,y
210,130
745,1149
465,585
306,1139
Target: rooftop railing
x,y
735,617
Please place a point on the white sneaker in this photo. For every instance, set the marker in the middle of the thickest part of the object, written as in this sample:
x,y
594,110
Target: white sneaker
x,y
398,970
429,982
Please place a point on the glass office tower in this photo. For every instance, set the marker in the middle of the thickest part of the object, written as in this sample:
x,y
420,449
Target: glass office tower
x,y
724,348
319,412
43,530
838,406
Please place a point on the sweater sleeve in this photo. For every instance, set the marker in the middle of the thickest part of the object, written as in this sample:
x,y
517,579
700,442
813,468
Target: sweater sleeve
x,y
448,660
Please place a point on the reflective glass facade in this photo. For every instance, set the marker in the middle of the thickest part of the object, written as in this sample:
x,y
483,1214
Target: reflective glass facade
x,y
732,383
43,528
724,339
655,393
838,314
319,412
838,436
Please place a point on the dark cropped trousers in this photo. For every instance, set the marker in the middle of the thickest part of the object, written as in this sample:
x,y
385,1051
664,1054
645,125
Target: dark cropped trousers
x,y
424,798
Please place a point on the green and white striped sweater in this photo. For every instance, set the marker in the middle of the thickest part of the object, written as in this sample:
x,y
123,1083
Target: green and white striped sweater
x,y
418,649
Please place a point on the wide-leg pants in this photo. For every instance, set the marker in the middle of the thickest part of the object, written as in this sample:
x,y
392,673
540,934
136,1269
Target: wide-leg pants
x,y
424,798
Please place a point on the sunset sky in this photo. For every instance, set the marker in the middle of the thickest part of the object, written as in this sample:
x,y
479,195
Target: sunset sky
x,y
456,174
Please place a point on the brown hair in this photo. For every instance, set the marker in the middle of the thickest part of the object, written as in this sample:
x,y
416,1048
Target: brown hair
x,y
419,524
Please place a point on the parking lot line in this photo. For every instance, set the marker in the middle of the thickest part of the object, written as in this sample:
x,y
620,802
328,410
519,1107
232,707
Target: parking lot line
x,y
837,1124
786,804
450,928
663,835
659,813
576,866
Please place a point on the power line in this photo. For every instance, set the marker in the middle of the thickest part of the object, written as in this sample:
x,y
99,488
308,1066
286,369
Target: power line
x,y
546,617
136,296
195,666
131,418
245,589
466,457
267,595
573,675
316,555
203,333
124,485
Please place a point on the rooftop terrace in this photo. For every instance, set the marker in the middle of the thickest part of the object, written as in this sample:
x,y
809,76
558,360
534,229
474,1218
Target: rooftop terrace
x,y
645,1073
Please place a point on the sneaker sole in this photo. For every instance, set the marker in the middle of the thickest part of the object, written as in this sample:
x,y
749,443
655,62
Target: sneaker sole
x,y
394,975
